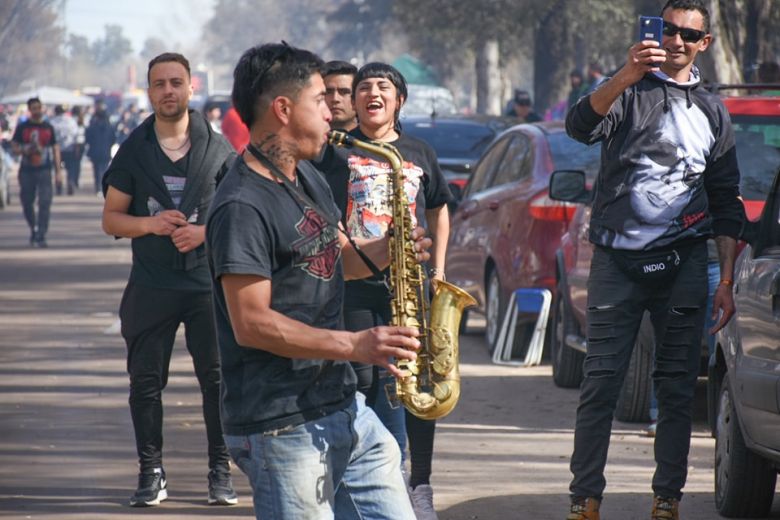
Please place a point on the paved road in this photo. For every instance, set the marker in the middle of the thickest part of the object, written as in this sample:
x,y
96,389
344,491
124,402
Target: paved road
x,y
66,441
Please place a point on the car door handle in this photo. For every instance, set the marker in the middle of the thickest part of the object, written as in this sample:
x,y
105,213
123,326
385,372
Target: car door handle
x,y
493,205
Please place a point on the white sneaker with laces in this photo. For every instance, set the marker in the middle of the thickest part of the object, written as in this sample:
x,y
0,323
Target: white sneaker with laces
x,y
422,502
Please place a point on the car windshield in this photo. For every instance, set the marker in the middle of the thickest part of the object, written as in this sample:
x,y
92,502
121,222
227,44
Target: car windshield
x,y
453,141
569,154
758,153
425,100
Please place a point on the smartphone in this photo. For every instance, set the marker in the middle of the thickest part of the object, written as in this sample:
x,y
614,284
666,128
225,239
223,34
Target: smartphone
x,y
651,28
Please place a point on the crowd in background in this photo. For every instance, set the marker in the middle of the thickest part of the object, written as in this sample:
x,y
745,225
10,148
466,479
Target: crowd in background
x,y
91,131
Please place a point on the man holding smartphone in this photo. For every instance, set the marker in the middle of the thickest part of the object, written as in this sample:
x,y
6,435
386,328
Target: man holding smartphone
x,y
669,180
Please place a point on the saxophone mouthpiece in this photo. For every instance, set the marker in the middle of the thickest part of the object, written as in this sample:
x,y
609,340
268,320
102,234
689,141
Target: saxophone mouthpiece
x,y
339,138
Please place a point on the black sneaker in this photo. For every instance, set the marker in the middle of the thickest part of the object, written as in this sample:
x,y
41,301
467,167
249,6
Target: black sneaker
x,y
152,489
42,242
221,491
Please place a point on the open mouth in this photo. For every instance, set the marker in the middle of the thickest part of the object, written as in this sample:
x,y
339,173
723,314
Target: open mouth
x,y
374,106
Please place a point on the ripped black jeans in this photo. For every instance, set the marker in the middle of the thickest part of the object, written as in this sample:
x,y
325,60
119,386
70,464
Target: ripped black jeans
x,y
616,304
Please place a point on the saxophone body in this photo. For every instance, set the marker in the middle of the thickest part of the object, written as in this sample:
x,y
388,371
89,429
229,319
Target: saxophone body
x,y
430,387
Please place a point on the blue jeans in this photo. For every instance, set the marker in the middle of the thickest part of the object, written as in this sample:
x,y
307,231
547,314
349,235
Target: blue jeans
x,y
343,466
374,381
616,304
713,280
31,183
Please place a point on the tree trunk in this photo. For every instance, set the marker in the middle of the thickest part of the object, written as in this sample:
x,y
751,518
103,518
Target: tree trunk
x,y
553,57
488,78
719,63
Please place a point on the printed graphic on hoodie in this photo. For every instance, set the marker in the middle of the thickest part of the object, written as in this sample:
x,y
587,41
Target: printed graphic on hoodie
x,y
667,175
369,210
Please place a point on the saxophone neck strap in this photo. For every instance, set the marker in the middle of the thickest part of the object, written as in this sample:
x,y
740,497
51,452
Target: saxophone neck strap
x,y
298,192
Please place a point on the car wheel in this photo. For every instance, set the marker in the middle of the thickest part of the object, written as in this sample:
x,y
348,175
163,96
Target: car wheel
x,y
633,404
566,361
744,482
495,308
464,322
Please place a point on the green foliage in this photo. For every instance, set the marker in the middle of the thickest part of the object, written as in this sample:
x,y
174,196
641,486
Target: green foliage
x,y
357,29
30,40
112,48
238,25
152,47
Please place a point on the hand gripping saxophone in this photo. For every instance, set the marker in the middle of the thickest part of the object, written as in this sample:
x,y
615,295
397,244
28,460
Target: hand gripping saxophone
x,y
431,387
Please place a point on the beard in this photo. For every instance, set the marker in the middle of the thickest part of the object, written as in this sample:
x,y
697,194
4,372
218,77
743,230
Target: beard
x,y
171,111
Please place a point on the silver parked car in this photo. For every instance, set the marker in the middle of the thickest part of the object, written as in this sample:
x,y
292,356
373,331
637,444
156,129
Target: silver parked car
x,y
744,375
7,166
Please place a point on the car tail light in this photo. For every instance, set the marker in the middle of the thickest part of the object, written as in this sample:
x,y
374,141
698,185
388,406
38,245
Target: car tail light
x,y
543,207
753,208
460,183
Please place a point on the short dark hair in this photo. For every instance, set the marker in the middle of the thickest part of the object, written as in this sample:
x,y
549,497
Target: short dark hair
x,y
690,5
165,58
59,110
381,70
32,100
338,67
385,71
522,98
266,71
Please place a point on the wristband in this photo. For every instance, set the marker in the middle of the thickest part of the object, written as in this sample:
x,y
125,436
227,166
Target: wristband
x,y
727,281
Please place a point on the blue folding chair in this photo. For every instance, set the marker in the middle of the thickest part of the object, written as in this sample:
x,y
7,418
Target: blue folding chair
x,y
528,300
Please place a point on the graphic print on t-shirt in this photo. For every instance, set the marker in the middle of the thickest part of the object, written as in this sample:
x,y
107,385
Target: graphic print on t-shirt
x,y
369,210
38,138
317,251
175,186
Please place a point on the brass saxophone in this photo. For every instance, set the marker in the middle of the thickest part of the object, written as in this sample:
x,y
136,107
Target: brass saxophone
x,y
431,387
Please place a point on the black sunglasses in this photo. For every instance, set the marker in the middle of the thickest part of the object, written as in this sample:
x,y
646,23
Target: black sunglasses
x,y
278,54
687,35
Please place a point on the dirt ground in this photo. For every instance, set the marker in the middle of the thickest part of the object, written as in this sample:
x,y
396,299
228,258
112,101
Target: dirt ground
x,y
66,440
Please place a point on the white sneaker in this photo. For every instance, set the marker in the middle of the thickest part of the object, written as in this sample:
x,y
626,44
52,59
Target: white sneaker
x,y
422,502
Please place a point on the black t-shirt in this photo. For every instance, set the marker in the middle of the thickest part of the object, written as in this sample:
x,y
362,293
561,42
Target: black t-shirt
x,y
360,185
256,226
156,261
37,141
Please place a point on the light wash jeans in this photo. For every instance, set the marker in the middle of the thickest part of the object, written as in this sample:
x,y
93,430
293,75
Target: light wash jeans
x,y
343,466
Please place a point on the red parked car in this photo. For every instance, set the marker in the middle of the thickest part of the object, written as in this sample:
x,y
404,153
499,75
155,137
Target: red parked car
x,y
505,230
756,122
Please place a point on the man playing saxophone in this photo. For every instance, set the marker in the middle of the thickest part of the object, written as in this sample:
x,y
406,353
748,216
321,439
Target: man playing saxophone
x,y
292,419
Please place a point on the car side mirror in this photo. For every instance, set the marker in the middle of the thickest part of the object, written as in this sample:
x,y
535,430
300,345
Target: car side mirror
x,y
569,186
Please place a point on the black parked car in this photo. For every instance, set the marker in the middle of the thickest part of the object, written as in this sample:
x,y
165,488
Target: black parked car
x,y
744,376
458,141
